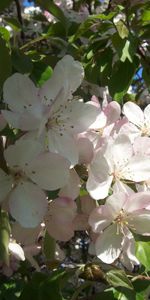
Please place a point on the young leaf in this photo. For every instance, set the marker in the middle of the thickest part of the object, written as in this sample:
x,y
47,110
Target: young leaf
x,y
142,253
4,237
118,278
49,247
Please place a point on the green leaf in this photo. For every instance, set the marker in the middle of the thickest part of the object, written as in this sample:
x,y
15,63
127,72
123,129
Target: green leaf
x,y
49,247
118,278
121,78
146,15
41,72
4,237
122,29
21,62
5,62
106,295
13,23
103,16
4,4
124,48
4,33
44,287
31,289
142,253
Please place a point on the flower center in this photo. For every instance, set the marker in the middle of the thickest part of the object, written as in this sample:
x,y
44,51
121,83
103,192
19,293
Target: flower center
x,y
145,130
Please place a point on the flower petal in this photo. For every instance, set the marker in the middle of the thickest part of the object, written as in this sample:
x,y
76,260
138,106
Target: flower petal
x,y
147,114
64,145
138,169
72,188
133,113
59,219
25,236
16,250
28,204
49,170
68,74
137,201
139,221
100,218
22,153
108,245
98,190
19,92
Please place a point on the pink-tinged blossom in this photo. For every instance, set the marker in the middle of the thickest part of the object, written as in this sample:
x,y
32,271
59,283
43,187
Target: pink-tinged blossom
x,y
115,162
105,122
59,218
72,188
116,220
51,111
30,171
139,121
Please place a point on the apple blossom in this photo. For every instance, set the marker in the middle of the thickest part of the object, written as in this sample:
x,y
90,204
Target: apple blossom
x,y
51,111
114,162
30,171
139,120
104,124
114,221
59,218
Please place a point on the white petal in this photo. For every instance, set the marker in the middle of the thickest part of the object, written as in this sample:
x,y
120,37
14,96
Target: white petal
x,y
112,111
59,219
68,74
19,92
63,144
108,245
12,118
98,190
49,170
147,114
22,153
85,148
137,201
28,204
139,221
25,236
134,113
115,203
100,218
119,186
16,251
121,150
141,146
6,182
128,257
138,169
72,188
81,116
99,167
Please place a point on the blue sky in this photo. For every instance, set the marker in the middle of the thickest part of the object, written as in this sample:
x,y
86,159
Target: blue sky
x,y
27,4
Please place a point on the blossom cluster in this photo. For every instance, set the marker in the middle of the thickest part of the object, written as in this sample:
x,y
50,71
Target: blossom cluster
x,y
56,134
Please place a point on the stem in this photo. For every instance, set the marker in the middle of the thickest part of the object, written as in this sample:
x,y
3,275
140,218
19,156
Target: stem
x,y
141,277
36,40
19,15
